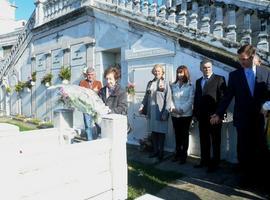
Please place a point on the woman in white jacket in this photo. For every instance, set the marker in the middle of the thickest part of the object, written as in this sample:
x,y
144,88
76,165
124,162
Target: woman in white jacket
x,y
181,112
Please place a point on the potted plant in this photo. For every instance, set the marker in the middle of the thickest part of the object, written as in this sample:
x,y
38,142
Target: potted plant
x,y
33,78
47,80
19,86
8,90
65,74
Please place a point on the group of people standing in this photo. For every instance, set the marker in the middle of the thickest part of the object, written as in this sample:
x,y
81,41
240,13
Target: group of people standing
x,y
207,103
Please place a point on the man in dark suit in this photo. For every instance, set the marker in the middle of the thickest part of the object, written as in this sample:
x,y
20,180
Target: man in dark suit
x,y
250,86
210,89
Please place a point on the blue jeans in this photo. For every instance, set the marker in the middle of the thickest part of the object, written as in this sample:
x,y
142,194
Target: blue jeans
x,y
89,127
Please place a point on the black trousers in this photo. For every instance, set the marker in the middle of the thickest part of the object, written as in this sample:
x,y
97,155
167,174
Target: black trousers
x,y
158,140
181,128
210,136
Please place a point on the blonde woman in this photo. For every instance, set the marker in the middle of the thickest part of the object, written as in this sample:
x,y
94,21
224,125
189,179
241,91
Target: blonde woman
x,y
156,105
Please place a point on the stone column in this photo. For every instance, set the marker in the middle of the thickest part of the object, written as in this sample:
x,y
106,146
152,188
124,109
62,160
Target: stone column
x,y
66,56
218,29
48,65
33,91
39,12
205,26
246,39
193,17
263,43
231,34
90,52
182,20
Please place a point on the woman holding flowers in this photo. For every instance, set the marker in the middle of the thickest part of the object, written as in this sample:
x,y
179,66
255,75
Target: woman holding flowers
x,y
112,94
181,112
156,105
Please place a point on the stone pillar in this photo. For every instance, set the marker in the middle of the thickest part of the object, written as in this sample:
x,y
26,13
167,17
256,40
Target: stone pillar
x,y
33,91
205,26
145,8
263,43
218,29
182,20
194,15
90,52
231,34
114,127
246,39
39,12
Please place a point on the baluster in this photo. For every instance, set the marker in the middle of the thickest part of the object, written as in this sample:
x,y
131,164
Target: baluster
x,y
153,9
263,44
182,20
205,26
172,9
137,6
193,17
145,8
218,30
231,34
129,5
122,3
246,39
162,10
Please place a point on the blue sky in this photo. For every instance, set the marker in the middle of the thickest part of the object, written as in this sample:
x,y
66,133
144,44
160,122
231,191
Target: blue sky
x,y
25,8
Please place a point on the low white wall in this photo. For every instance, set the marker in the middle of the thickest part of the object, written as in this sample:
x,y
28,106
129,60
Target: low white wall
x,y
37,165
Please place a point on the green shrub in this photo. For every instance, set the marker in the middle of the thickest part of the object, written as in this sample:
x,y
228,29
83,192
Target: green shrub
x,y
34,76
8,90
19,86
65,73
47,79
34,121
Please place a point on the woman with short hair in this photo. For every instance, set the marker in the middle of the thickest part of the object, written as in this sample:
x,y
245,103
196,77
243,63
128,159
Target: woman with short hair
x,y
112,94
156,105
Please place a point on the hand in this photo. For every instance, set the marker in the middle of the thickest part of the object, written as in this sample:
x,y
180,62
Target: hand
x,y
264,112
140,110
215,119
95,89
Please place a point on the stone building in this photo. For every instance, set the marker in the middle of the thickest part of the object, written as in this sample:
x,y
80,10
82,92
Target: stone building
x,y
135,34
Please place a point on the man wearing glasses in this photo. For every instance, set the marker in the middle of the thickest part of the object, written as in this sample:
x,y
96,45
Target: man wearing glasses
x,y
91,83
250,87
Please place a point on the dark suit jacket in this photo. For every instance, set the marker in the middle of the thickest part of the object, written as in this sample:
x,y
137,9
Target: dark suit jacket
x,y
207,99
117,101
246,107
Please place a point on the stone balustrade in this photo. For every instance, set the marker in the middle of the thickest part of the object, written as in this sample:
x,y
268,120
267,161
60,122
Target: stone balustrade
x,y
231,22
7,63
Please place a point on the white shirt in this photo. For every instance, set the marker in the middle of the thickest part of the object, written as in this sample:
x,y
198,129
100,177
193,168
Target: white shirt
x,y
182,98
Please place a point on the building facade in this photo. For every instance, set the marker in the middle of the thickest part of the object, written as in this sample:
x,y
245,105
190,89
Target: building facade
x,y
136,35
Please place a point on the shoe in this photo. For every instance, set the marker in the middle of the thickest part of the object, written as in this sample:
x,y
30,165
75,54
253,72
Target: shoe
x,y
175,159
153,155
211,169
181,162
201,165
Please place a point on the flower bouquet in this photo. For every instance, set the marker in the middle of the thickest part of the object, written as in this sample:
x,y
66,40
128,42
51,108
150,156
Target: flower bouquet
x,y
131,89
83,99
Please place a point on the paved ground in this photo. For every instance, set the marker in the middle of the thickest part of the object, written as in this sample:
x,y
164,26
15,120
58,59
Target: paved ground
x,y
224,184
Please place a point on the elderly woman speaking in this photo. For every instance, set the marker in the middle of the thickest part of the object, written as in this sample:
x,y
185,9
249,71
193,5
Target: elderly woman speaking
x,y
155,105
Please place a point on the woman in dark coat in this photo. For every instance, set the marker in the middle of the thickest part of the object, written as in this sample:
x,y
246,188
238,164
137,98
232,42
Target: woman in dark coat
x,y
112,94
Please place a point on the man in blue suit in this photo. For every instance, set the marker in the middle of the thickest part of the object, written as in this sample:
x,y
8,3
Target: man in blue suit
x,y
250,86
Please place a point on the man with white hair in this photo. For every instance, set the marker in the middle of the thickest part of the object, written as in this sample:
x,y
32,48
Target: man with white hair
x,y
93,84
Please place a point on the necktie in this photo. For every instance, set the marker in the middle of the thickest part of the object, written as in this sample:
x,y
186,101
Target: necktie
x,y
204,82
251,80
